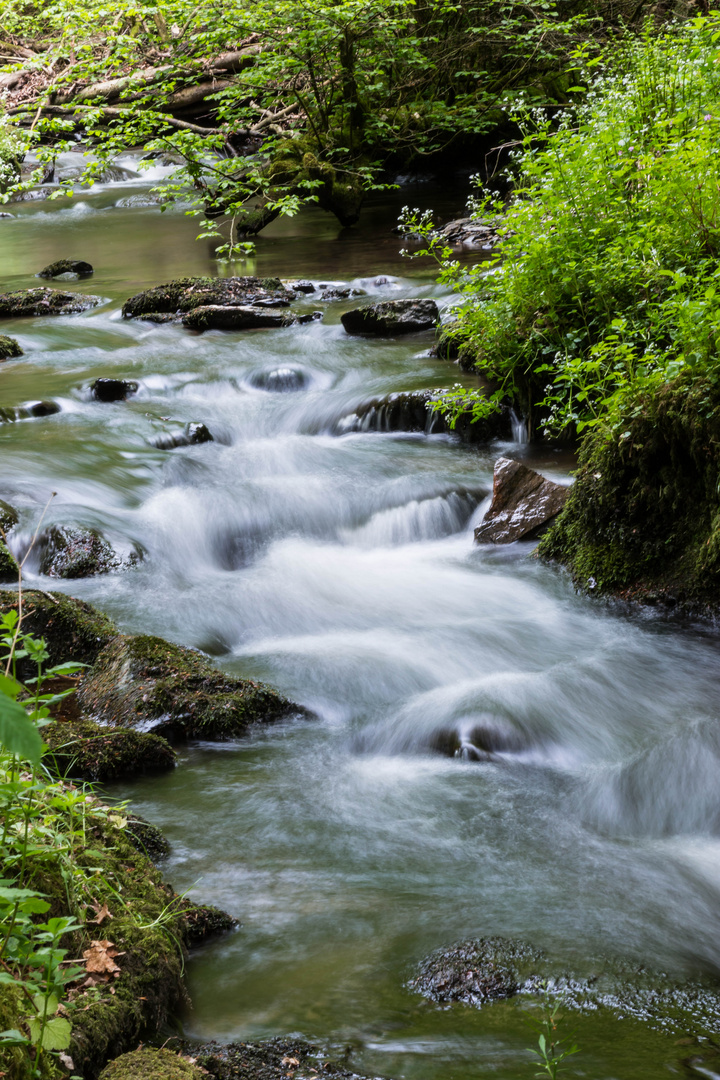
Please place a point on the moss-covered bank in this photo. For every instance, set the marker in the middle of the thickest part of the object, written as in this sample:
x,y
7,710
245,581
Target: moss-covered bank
x,y
643,518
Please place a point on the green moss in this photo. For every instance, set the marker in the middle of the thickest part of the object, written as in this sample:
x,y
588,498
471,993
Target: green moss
x,y
643,518
76,553
9,348
8,566
34,302
147,838
8,516
146,682
72,629
203,921
84,750
186,294
151,1064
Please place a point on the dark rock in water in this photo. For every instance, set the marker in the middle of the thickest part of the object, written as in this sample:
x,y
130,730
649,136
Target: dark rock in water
x,y
266,1059
482,742
341,293
146,683
113,389
185,294
203,921
391,317
9,348
142,834
84,750
67,266
192,435
301,286
9,570
34,302
279,380
75,553
476,972
4,214
468,233
238,317
147,1063
8,516
412,411
234,317
28,411
523,504
72,629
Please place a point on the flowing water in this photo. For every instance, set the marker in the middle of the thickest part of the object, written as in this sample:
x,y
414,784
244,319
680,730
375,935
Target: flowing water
x,y
338,564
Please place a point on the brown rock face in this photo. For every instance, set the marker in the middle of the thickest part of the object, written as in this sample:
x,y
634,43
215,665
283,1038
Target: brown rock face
x,y
523,504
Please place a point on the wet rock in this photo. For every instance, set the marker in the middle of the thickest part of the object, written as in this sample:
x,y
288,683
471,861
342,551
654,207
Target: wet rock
x,y
151,1064
84,750
4,214
266,1059
113,389
9,348
28,411
75,553
300,286
72,629
185,294
392,317
279,380
341,293
192,435
145,836
203,921
8,516
412,411
34,302
9,570
67,266
524,503
468,233
215,317
146,683
481,742
479,971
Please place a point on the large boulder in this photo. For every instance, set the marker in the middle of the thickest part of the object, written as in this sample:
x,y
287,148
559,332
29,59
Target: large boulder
x,y
523,504
72,629
33,302
149,684
235,317
392,317
67,266
175,298
9,348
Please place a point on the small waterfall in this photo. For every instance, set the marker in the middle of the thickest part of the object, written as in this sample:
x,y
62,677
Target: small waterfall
x,y
519,428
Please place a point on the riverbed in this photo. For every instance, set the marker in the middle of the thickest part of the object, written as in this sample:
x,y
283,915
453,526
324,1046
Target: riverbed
x,y
338,564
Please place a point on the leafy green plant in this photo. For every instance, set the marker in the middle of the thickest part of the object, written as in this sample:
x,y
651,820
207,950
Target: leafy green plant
x,y
552,1048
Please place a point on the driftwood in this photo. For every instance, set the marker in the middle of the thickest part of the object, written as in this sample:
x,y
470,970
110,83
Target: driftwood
x,y
111,89
109,113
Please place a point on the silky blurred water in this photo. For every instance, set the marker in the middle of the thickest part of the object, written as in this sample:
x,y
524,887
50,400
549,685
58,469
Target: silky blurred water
x,y
341,569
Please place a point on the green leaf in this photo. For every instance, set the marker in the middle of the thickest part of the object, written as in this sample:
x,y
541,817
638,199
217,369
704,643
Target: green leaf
x,y
53,1035
18,734
12,1037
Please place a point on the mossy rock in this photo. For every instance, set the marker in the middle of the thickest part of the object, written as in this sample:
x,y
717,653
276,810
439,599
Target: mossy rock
x,y
84,750
8,516
9,348
203,921
147,683
75,553
72,629
186,294
67,266
151,1064
147,838
642,521
34,302
9,570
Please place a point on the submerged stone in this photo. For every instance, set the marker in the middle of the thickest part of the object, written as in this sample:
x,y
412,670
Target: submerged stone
x,y
412,410
108,390
279,380
477,972
192,435
67,266
39,301
9,348
523,504
28,411
341,292
149,684
392,317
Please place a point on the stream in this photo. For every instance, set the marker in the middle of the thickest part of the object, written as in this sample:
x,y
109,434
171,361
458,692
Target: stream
x,y
338,565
